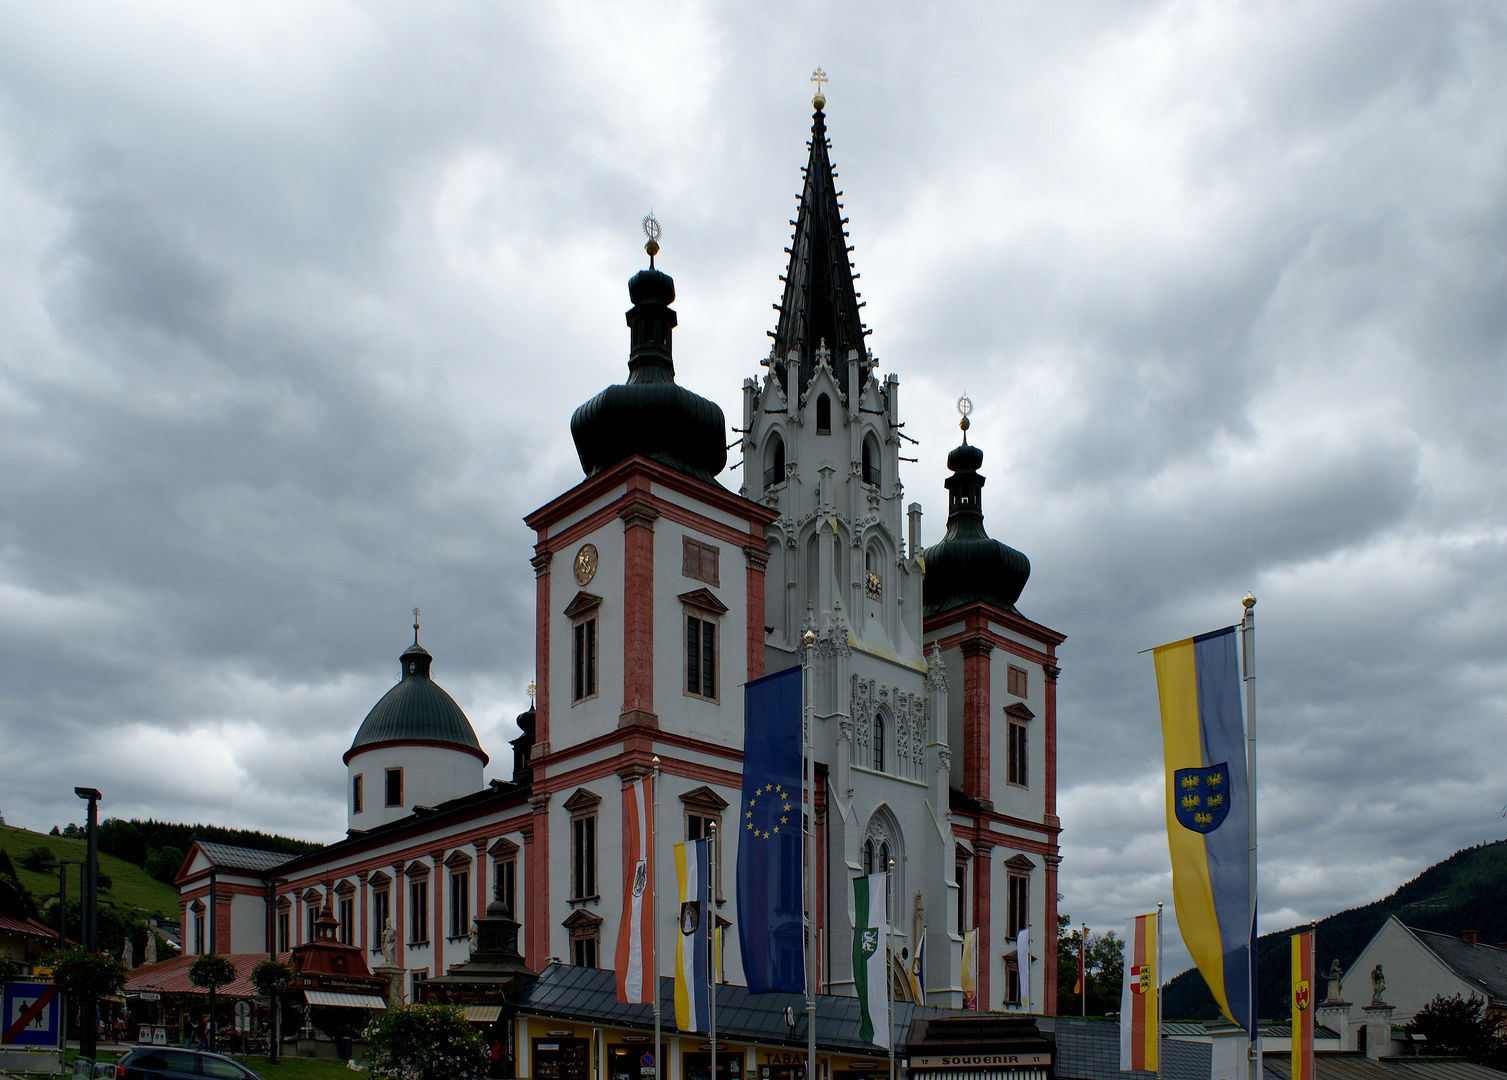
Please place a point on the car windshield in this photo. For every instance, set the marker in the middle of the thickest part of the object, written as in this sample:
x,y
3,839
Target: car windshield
x,y
222,1068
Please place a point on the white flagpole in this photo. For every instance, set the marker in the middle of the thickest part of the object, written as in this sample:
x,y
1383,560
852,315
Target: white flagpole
x,y
889,1020
810,857
1158,1043
1248,640
711,936
654,907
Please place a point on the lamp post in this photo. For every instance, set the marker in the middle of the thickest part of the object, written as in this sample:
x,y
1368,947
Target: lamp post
x,y
62,866
88,1020
272,1029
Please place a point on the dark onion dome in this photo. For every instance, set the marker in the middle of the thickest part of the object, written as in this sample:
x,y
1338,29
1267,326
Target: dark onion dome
x,y
416,711
650,414
968,566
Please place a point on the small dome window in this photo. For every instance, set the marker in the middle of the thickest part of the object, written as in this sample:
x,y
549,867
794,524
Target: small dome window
x,y
824,415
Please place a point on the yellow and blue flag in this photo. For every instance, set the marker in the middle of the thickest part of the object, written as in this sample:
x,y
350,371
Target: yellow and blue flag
x,y
771,921
1208,817
692,975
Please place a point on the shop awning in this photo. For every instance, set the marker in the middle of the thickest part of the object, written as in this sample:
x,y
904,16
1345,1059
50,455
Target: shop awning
x,y
483,1014
345,1001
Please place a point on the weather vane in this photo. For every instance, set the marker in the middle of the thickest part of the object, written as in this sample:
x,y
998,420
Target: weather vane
x,y
653,232
965,406
819,77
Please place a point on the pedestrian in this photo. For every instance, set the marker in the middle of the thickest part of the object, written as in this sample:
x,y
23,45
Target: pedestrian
x,y
190,1032
204,1032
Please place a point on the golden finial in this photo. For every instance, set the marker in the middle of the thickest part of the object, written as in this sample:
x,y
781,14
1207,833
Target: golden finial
x,y
653,232
819,102
415,626
1249,601
965,406
532,690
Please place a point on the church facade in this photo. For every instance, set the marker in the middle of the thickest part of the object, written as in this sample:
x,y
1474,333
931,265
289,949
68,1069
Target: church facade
x,y
659,593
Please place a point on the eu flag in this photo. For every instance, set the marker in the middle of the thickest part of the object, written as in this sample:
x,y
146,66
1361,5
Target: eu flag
x,y
771,924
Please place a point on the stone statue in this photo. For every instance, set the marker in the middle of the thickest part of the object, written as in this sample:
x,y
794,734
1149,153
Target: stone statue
x,y
1335,975
150,956
389,944
1378,985
918,923
471,935
127,956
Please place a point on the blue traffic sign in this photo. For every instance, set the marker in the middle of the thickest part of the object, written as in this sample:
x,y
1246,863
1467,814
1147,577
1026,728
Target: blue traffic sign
x,y
29,1014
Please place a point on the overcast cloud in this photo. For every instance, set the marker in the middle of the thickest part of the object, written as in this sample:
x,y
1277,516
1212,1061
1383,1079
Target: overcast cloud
x,y
296,301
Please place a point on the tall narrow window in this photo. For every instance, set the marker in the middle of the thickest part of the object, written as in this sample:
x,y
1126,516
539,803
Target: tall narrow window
x,y
507,883
824,415
870,461
1019,914
198,933
585,939
381,912
960,875
460,903
583,857
1016,765
418,911
700,657
584,684
282,932
774,461
394,787
347,920
878,746
357,800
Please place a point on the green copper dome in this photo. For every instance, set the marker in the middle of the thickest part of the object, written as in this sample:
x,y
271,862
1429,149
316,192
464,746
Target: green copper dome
x,y
416,711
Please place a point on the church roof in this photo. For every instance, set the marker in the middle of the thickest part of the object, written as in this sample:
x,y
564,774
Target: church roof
x,y
1484,966
230,857
416,710
820,304
967,565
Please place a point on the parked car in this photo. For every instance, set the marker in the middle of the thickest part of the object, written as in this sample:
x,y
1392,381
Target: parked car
x,y
174,1063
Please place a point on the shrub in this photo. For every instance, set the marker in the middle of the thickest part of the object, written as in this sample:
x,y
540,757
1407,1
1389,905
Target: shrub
x,y
425,1042
271,977
36,858
211,970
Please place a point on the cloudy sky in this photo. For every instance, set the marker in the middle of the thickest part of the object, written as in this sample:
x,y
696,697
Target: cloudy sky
x,y
296,301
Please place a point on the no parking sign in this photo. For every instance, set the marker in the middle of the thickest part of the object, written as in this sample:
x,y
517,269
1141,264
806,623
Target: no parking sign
x,y
29,1014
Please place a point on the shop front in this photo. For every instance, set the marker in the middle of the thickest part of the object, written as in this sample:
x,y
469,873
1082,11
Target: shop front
x,y
981,1047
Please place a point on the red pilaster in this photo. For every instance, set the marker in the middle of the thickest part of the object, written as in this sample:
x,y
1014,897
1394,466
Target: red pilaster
x,y
536,867
1053,822
365,940
1051,671
437,912
222,924
480,872
638,614
976,719
1048,943
541,563
983,875
757,559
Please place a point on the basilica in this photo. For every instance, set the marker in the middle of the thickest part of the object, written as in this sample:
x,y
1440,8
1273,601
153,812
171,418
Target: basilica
x,y
659,591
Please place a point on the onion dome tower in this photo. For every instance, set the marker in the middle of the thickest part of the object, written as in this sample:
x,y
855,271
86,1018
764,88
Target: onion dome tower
x,y
968,566
650,414
415,748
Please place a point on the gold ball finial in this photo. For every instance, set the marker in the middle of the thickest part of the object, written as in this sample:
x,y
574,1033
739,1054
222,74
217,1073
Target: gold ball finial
x,y
1249,601
810,637
819,102
653,232
965,406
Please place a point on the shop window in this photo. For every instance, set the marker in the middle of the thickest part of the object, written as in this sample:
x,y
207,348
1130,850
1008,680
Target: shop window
x,y
394,787
562,1059
418,911
700,562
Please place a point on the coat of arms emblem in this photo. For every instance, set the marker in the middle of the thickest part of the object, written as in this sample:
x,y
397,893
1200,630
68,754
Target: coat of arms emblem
x,y
1201,797
690,917
869,941
1300,995
641,877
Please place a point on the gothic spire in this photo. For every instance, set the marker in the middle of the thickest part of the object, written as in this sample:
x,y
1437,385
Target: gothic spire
x,y
820,304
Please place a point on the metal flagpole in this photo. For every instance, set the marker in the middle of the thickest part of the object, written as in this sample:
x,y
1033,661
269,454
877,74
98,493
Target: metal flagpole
x,y
1313,966
810,858
1158,988
654,904
1248,650
889,1020
1082,971
711,936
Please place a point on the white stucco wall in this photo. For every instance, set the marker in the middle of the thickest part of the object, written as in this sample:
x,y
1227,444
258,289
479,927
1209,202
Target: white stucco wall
x,y
431,775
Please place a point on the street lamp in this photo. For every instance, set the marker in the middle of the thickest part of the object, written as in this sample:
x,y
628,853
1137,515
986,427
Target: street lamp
x,y
91,905
62,866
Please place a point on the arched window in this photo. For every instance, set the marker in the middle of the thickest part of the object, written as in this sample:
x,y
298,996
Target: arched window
x,y
823,415
868,857
774,462
870,461
878,745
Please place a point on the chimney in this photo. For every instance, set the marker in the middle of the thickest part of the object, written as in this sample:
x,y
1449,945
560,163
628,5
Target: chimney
x,y
1470,936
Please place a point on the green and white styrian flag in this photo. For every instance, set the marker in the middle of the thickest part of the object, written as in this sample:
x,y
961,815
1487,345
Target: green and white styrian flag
x,y
870,932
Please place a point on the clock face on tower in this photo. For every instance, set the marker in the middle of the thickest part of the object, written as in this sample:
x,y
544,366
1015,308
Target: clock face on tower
x,y
586,564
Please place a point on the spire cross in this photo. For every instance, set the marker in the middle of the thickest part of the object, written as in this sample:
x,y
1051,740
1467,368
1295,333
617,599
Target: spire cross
x,y
819,77
415,626
531,691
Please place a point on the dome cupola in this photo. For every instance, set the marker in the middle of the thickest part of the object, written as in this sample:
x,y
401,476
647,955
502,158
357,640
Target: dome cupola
x,y
968,566
651,414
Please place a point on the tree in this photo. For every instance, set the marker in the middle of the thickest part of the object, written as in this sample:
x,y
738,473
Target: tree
x,y
36,858
272,977
425,1042
15,901
1459,1027
122,839
1103,969
163,862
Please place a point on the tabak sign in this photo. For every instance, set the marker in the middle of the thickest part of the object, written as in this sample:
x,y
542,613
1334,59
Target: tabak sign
x,y
967,1061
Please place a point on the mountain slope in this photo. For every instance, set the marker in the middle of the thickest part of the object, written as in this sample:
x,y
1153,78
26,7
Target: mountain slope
x,y
1464,892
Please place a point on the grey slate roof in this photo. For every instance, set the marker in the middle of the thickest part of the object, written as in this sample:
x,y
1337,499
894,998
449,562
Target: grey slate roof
x,y
1484,966
1090,1050
229,857
570,992
1356,1066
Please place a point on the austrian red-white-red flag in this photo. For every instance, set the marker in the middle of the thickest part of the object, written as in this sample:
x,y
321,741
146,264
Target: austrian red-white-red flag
x,y
635,933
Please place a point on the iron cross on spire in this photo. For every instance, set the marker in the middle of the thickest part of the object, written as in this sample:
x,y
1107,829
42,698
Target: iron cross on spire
x,y
819,77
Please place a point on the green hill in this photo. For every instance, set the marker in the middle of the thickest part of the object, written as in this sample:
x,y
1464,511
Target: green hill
x,y
1464,892
130,885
